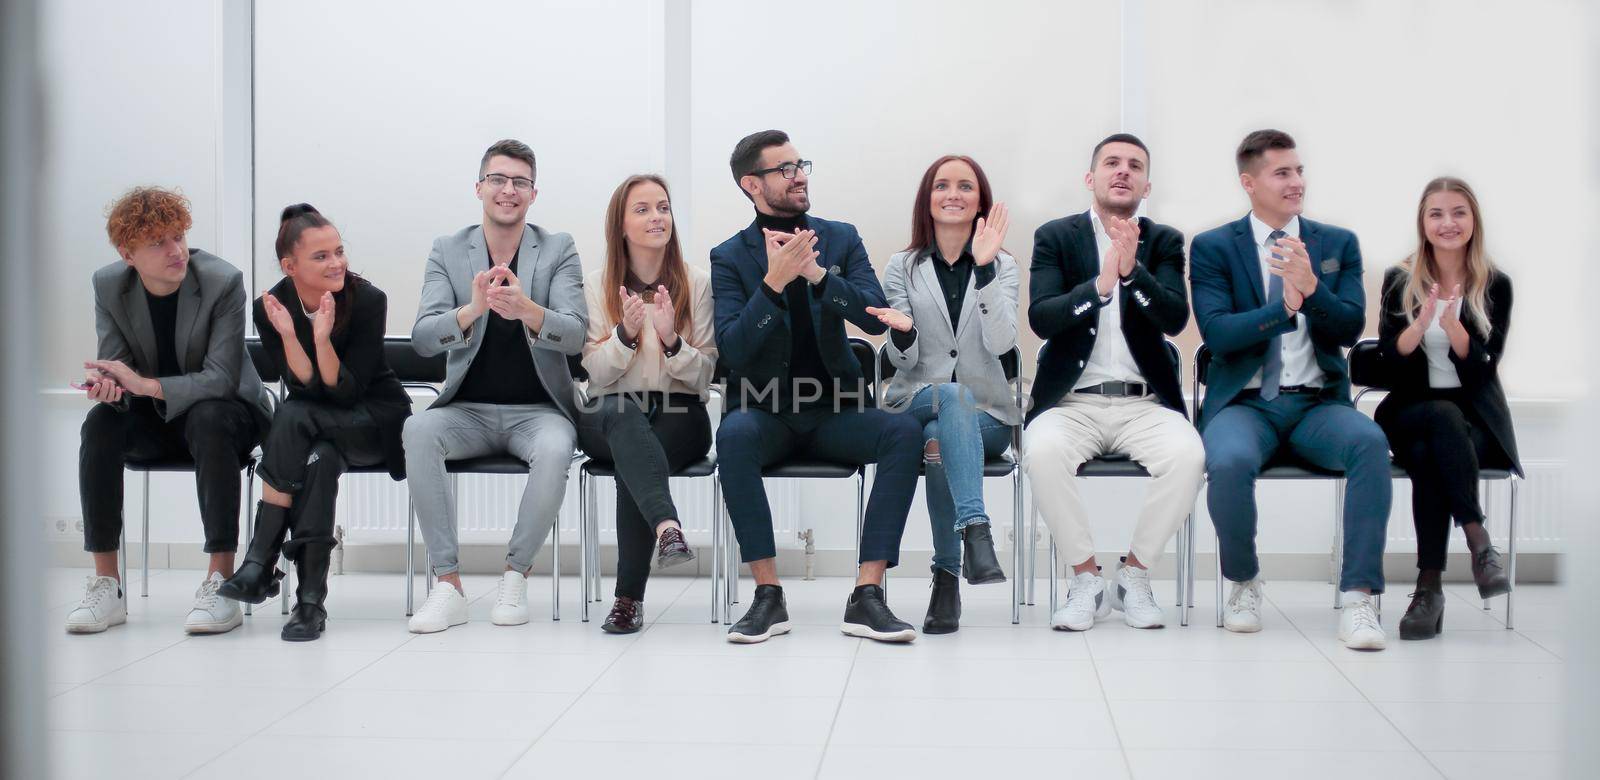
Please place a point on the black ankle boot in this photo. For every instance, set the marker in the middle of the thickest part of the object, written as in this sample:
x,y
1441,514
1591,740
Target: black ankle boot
x,y
1424,619
308,619
256,580
978,562
944,606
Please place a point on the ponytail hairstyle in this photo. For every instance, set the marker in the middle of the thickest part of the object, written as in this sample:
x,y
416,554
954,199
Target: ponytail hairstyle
x,y
296,220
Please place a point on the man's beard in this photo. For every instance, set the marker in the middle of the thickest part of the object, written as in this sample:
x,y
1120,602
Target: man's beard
x,y
784,207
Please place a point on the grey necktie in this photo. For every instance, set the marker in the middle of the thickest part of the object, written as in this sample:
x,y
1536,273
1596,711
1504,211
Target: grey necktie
x,y
1272,369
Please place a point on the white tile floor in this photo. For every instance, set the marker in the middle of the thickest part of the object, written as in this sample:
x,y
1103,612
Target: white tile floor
x,y
556,700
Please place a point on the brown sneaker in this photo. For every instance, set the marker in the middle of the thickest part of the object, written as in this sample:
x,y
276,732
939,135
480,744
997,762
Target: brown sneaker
x,y
627,617
671,549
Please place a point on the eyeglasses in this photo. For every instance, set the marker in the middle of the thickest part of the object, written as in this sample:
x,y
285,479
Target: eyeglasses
x,y
787,169
498,181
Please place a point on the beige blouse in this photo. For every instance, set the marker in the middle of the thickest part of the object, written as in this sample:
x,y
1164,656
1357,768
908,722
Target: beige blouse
x,y
614,368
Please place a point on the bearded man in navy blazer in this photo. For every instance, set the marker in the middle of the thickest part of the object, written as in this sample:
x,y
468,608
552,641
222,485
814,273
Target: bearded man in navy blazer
x,y
783,289
1278,297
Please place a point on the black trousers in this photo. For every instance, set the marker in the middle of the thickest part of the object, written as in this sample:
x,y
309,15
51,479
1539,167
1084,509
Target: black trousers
x,y
1441,443
310,446
648,436
217,434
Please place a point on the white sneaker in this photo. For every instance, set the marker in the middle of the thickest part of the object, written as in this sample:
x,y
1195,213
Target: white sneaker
x,y
445,607
1358,623
1135,600
511,604
212,614
103,606
1242,613
1086,601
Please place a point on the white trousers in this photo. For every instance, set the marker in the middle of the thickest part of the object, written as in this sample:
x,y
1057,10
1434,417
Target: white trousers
x,y
1085,426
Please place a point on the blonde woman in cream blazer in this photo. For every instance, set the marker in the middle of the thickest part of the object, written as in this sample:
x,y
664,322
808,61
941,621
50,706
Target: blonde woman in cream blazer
x,y
650,353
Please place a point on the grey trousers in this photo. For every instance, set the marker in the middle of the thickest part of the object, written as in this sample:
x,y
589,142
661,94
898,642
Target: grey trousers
x,y
539,434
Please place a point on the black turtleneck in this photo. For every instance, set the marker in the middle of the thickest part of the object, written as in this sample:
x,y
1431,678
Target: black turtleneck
x,y
805,360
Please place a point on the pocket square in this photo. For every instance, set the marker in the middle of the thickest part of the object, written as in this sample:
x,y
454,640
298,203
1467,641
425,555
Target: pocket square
x,y
1330,265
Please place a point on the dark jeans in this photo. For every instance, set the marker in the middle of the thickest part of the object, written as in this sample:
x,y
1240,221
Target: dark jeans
x,y
310,445
751,439
217,435
1441,443
1247,434
646,439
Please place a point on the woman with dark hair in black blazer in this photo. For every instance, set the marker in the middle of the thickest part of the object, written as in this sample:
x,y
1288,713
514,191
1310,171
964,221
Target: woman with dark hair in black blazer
x,y
1443,327
323,328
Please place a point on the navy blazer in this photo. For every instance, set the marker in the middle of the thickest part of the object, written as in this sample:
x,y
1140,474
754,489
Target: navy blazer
x,y
1064,307
753,331
1236,322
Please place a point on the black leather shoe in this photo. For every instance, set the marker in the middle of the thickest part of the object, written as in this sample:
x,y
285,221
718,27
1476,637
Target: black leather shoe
x,y
256,580
309,618
867,615
1490,574
671,549
978,562
766,618
627,617
1424,619
944,606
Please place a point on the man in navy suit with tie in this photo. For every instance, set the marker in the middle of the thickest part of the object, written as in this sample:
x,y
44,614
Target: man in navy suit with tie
x,y
1277,297
783,289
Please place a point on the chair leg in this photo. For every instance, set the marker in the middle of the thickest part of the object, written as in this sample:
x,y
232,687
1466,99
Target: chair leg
x,y
144,551
122,561
1511,548
1054,571
716,549
555,570
1016,547
1219,582
1186,584
730,568
594,543
583,543
1178,556
411,543
1338,542
249,520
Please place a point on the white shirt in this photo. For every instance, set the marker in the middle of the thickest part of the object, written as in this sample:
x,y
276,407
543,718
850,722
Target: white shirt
x,y
1436,346
1299,359
1110,360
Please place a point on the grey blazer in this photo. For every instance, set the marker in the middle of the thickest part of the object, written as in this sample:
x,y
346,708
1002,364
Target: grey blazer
x,y
972,350
210,335
551,275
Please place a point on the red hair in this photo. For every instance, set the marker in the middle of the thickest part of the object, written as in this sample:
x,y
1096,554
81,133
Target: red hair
x,y
922,213
147,214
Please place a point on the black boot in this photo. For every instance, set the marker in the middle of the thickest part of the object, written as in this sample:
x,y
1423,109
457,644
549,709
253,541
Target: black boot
x,y
944,606
308,618
978,562
1425,617
256,580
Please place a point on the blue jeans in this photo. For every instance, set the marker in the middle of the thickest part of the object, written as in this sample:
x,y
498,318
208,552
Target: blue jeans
x,y
967,435
1249,432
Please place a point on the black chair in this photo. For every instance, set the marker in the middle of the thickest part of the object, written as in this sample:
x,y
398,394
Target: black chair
x,y
1367,371
1119,465
1283,466
1003,465
725,563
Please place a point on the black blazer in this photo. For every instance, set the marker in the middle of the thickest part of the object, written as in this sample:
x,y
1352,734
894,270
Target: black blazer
x,y
365,379
1064,307
1407,375
753,331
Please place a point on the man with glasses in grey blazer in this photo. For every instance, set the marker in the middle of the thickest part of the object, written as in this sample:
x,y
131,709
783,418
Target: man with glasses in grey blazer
x,y
504,300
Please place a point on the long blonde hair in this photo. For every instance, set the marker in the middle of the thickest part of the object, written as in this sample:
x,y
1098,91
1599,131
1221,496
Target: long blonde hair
x,y
1423,266
674,274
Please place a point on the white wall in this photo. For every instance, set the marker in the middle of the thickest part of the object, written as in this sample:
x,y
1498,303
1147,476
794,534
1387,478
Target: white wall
x,y
378,113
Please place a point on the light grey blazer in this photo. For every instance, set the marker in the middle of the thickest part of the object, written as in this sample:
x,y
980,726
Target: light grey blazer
x,y
551,275
209,331
972,350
